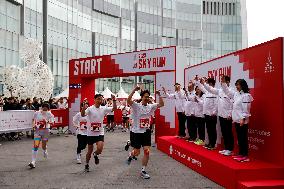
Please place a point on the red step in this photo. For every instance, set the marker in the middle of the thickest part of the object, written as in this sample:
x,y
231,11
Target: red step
x,y
262,184
221,169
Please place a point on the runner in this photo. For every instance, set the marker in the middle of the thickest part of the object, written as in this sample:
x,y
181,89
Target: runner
x,y
110,116
80,121
140,134
95,132
42,121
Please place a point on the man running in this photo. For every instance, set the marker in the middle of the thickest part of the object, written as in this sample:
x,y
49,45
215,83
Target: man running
x,y
95,132
140,134
42,121
80,121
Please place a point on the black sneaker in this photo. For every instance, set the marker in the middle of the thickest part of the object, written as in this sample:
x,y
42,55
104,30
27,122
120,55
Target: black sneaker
x,y
127,146
206,146
97,161
145,175
87,168
128,161
135,158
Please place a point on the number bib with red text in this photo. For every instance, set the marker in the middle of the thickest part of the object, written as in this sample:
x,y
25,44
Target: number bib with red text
x,y
145,123
95,127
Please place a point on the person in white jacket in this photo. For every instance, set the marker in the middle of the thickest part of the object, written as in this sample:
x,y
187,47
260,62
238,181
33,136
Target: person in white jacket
x,y
179,97
210,110
225,107
189,112
240,115
199,116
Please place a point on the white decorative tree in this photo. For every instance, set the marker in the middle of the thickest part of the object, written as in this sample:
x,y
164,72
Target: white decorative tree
x,y
34,80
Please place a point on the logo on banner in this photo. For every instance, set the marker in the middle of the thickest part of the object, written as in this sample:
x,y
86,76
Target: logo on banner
x,y
144,62
90,66
269,67
217,74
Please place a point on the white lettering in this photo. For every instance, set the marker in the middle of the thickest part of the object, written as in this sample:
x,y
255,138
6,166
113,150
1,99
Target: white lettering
x,y
82,66
76,69
99,64
87,67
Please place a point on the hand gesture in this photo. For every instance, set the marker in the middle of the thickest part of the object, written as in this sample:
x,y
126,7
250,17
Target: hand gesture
x,y
112,97
137,88
202,81
196,78
158,93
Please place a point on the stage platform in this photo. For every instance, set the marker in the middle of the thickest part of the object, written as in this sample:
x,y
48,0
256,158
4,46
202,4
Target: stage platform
x,y
222,169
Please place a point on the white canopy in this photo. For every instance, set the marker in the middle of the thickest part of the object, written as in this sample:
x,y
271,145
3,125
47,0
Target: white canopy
x,y
136,96
121,93
65,93
107,93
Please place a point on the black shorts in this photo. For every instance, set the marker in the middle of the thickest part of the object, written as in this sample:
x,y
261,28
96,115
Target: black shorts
x,y
110,119
125,119
94,139
140,139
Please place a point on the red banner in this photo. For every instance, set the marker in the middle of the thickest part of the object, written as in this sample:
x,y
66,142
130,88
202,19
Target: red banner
x,y
61,117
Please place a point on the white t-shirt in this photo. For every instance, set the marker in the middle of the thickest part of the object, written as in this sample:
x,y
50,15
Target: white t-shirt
x,y
125,111
43,119
141,116
81,123
110,106
96,117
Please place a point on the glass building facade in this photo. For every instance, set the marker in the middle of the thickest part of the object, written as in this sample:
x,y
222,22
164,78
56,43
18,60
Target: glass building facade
x,y
82,28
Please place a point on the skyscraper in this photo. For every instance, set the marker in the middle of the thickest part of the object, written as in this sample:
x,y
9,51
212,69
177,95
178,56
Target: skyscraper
x,y
81,28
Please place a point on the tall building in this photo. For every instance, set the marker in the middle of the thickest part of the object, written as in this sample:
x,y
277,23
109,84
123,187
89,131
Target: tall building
x,y
81,28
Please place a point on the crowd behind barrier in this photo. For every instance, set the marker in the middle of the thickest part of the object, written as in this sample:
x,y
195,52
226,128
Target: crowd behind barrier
x,y
16,115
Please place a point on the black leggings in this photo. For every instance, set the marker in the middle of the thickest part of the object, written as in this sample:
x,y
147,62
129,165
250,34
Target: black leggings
x,y
211,122
200,125
82,143
242,133
181,121
227,133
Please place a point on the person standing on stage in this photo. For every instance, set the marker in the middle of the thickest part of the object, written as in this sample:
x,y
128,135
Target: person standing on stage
x,y
95,131
80,121
42,121
189,112
199,116
180,98
210,110
240,115
225,107
140,134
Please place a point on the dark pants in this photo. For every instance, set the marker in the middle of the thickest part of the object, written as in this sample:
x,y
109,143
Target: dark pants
x,y
211,122
200,125
242,134
227,133
191,127
82,143
181,121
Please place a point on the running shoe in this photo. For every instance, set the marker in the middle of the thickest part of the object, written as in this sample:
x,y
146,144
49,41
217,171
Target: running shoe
x,y
222,151
237,156
227,153
87,168
127,146
145,175
199,142
79,159
206,146
128,161
135,158
97,161
243,159
211,147
45,154
32,165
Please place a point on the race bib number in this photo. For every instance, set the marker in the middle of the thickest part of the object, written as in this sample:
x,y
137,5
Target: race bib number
x,y
145,123
95,127
41,124
83,125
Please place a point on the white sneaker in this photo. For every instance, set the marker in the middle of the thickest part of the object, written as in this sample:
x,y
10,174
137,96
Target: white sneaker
x,y
227,153
222,151
45,154
145,175
32,165
78,159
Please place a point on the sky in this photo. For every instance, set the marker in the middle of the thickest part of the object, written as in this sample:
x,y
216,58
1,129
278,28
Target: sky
x,y
265,20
